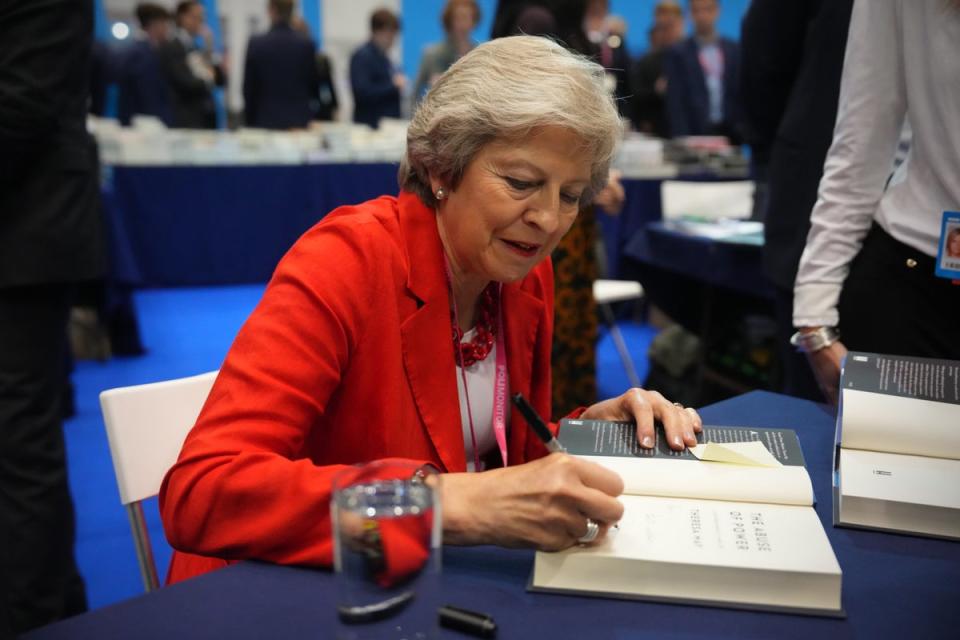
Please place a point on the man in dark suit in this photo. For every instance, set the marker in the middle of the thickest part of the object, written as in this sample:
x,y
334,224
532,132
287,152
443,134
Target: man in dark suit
x,y
143,90
649,83
280,79
702,79
191,72
376,85
51,239
791,66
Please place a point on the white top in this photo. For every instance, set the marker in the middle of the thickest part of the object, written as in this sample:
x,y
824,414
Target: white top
x,y
480,382
899,53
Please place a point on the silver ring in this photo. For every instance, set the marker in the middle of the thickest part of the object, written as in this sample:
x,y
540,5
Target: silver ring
x,y
593,529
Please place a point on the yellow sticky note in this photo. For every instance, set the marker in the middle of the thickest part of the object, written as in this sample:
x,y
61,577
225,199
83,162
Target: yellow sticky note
x,y
752,453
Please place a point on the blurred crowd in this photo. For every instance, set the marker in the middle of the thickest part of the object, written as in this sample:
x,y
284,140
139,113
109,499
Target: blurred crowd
x,y
682,85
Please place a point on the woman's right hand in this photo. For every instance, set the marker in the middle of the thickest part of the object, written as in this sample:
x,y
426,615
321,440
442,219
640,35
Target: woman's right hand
x,y
542,504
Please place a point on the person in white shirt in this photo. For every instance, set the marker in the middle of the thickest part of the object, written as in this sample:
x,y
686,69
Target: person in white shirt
x,y
868,266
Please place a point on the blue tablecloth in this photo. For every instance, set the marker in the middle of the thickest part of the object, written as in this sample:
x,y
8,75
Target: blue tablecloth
x,y
893,586
226,225
730,265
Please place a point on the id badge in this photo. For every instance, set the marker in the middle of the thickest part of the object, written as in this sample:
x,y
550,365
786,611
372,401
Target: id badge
x,y
948,255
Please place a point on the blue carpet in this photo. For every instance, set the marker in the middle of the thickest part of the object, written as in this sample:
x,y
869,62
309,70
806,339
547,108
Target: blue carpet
x,y
612,377
185,332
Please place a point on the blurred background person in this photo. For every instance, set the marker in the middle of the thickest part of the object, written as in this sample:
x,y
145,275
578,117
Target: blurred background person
x,y
327,104
192,71
324,106
648,111
459,18
377,85
608,34
702,79
791,61
142,87
866,278
573,357
280,79
515,16
51,239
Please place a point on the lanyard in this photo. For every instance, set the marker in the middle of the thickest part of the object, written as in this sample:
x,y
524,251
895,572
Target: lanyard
x,y
500,387
499,380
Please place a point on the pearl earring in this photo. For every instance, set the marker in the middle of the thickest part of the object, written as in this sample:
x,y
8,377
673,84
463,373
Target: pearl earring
x,y
440,194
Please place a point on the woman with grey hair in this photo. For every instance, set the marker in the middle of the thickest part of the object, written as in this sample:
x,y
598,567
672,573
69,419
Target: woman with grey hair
x,y
392,329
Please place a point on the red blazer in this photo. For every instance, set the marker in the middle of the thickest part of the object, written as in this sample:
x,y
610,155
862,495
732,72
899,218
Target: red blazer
x,y
347,358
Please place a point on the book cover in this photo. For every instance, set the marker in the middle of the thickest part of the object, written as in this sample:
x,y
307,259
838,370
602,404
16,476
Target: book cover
x,y
619,439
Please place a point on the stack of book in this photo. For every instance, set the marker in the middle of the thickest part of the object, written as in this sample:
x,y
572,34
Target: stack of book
x,y
897,456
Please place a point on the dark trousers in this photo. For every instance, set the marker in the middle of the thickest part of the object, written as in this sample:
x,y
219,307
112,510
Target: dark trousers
x,y
796,376
888,306
39,582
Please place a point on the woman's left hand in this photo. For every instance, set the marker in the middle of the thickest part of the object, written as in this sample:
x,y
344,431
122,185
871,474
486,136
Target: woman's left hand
x,y
680,424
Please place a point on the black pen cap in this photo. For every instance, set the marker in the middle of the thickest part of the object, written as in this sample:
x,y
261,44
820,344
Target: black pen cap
x,y
471,622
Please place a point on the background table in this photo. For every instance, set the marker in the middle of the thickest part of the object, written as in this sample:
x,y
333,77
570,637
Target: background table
x,y
202,225
893,586
223,225
715,289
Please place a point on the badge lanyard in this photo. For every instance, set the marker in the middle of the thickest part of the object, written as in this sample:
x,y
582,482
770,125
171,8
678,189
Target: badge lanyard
x,y
499,381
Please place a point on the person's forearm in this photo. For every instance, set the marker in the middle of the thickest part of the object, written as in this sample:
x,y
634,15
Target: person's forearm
x,y
869,119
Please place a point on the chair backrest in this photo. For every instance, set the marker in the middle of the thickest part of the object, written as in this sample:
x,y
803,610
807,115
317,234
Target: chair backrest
x,y
711,200
146,426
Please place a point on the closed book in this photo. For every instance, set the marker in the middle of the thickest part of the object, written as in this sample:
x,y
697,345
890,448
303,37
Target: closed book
x,y
701,532
897,455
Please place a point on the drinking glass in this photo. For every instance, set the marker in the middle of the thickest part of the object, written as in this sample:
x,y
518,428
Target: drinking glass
x,y
387,532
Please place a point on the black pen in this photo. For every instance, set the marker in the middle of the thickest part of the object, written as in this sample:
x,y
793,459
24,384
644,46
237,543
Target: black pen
x,y
537,424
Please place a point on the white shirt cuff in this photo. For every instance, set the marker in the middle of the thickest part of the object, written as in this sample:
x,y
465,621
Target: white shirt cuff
x,y
815,305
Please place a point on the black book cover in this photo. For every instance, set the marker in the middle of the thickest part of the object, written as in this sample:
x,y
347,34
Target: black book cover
x,y
607,438
906,377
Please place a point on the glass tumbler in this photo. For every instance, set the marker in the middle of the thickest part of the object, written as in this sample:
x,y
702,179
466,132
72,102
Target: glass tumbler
x,y
387,531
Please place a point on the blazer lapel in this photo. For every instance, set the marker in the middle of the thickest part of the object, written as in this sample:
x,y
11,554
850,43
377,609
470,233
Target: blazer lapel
x,y
426,335
428,345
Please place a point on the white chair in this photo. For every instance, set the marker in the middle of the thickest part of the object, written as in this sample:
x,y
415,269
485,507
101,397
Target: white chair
x,y
710,200
146,426
605,293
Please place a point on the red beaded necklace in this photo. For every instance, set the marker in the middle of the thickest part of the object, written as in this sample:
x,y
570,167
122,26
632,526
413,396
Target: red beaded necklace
x,y
479,347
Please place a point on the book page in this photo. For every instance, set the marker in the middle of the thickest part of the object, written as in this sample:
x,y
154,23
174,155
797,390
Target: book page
x,y
901,405
706,550
711,480
662,471
787,538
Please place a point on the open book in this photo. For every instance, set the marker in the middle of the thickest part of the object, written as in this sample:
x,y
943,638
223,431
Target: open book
x,y
897,460
702,532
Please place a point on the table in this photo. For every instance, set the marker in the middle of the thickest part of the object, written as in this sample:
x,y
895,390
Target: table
x,y
893,586
204,225
715,289
730,265
186,225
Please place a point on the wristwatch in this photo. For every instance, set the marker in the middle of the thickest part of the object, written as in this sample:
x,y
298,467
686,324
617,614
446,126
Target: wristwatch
x,y
811,341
